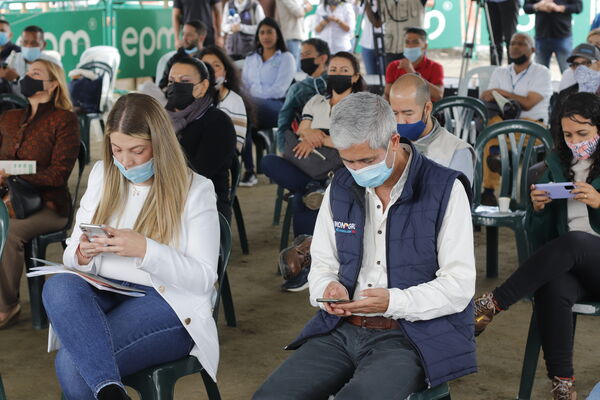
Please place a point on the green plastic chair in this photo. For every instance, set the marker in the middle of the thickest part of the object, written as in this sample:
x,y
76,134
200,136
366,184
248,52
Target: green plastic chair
x,y
440,392
515,163
14,99
235,172
37,248
158,383
459,114
287,220
2,393
4,221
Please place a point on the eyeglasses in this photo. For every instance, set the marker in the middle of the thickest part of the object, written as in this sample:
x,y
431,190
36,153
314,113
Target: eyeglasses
x,y
576,64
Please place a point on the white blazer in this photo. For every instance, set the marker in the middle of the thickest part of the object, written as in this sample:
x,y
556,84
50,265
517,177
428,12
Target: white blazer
x,y
184,276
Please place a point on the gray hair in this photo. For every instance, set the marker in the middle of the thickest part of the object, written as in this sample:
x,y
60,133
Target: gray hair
x,y
362,117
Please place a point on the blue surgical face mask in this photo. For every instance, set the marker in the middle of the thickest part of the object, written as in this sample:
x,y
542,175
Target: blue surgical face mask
x,y
31,53
3,38
413,53
374,175
192,50
412,131
139,173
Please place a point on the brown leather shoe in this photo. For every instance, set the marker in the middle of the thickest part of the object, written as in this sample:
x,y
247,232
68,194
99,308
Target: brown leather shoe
x,y
485,309
12,318
563,389
296,257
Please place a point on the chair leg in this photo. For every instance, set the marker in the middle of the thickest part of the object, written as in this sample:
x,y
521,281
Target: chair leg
x,y
492,251
278,203
2,394
287,223
228,301
212,390
239,220
530,360
39,318
522,245
151,389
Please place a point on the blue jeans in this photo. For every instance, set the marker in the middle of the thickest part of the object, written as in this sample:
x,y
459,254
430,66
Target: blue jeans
x,y
292,178
105,335
266,111
294,46
545,47
370,60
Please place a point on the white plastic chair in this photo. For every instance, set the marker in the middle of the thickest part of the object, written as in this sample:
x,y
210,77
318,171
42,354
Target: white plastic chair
x,y
110,56
162,64
483,78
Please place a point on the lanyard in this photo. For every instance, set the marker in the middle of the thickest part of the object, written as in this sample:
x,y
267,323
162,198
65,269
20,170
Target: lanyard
x,y
514,84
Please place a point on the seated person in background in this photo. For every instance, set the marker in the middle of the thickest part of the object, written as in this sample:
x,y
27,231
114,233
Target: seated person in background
x,y
526,83
267,75
585,55
240,20
388,211
6,47
32,48
415,61
565,234
46,131
314,57
302,169
206,133
164,240
227,82
410,99
334,23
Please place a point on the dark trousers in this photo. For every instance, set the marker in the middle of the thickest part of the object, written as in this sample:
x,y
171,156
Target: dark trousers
x,y
562,272
351,362
267,111
504,24
293,179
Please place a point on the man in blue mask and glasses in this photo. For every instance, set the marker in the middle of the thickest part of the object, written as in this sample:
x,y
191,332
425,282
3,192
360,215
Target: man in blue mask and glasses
x,y
392,273
411,102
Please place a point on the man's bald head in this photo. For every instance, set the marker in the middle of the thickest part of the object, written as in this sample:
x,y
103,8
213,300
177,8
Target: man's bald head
x,y
411,86
525,37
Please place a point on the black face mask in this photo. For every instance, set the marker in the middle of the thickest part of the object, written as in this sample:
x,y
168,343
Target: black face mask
x,y
520,60
308,65
339,83
30,86
179,95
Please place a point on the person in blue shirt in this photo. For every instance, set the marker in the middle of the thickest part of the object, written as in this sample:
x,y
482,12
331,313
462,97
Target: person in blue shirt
x,y
596,23
267,74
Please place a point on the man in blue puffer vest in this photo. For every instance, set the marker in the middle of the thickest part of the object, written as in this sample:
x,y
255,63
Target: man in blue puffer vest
x,y
394,236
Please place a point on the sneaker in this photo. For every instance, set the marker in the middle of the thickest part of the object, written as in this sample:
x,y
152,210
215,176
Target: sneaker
x,y
487,198
314,196
563,389
249,179
294,264
485,309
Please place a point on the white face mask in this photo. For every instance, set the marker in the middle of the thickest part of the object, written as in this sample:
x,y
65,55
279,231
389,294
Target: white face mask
x,y
219,82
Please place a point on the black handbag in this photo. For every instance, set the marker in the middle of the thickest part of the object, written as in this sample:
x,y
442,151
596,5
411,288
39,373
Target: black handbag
x,y
24,197
317,166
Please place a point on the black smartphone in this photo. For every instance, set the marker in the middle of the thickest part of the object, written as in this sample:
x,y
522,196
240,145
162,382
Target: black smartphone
x,y
321,300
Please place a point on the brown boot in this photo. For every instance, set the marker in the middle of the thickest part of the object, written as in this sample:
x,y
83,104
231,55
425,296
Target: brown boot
x,y
294,263
563,389
485,309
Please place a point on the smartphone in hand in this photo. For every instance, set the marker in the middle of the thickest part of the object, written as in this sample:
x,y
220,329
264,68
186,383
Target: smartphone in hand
x,y
558,190
323,300
93,230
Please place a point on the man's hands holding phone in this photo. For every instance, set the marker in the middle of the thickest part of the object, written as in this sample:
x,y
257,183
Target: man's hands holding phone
x,y
122,242
375,301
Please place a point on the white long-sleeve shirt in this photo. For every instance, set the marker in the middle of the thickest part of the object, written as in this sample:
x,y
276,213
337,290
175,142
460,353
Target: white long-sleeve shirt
x,y
450,292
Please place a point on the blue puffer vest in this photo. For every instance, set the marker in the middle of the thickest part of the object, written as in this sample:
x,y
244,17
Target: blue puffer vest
x,y
445,345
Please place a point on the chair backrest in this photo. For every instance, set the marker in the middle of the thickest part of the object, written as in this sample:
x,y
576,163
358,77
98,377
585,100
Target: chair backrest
x,y
14,99
4,221
463,116
483,76
235,171
103,60
516,161
81,161
162,64
224,253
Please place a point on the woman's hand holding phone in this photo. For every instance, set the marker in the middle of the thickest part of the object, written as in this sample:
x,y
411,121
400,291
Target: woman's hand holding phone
x,y
86,250
539,198
587,194
122,242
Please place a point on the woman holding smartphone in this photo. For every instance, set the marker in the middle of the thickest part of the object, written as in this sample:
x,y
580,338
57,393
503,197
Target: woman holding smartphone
x,y
163,229
566,234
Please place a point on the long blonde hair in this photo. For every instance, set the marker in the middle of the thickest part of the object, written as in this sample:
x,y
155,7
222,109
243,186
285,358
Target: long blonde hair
x,y
140,116
60,96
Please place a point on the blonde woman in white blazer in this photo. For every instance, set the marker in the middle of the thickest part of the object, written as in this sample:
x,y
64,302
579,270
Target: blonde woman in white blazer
x,y
164,239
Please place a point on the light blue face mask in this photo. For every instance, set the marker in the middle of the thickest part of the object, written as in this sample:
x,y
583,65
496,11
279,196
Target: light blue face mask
x,y
3,38
139,173
192,50
31,53
373,175
413,53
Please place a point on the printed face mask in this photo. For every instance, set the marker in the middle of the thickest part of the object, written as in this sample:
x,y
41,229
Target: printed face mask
x,y
584,150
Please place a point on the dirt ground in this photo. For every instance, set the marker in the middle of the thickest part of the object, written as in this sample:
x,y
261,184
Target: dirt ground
x,y
268,319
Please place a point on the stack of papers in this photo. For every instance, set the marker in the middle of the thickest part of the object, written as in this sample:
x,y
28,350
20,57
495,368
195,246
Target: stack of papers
x,y
18,167
96,281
